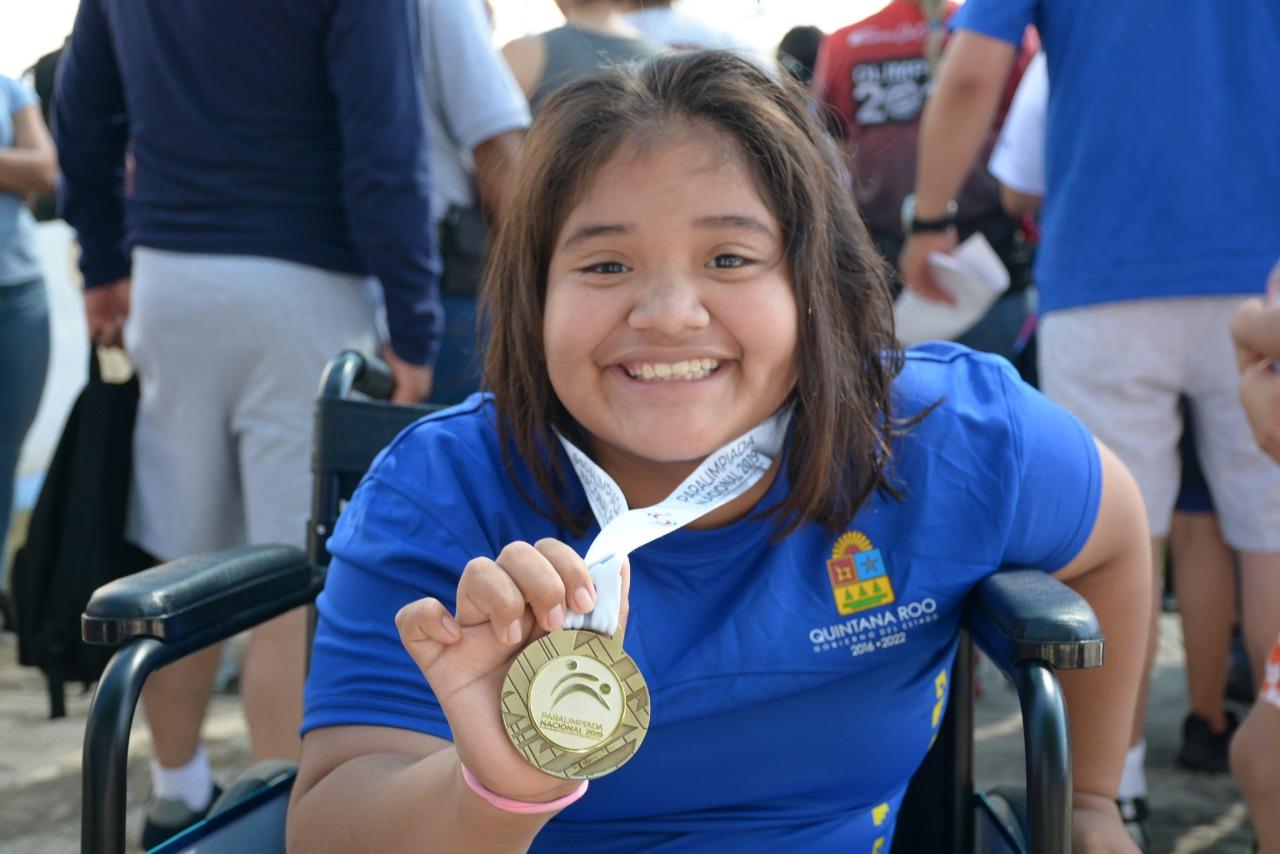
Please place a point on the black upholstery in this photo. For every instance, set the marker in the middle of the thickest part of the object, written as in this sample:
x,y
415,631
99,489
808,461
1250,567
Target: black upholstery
x,y
1025,615
195,594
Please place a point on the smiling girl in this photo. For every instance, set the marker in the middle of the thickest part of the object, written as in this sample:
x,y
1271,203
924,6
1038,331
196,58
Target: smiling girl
x,y
681,289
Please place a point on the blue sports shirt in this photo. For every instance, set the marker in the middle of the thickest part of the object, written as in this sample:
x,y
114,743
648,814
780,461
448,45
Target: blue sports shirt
x,y
1162,156
796,685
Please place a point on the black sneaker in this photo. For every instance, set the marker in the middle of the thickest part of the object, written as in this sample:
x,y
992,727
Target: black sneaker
x,y
1134,813
167,818
1202,749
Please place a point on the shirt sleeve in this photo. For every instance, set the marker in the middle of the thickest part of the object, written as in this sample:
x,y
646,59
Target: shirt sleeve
x,y
374,72
1006,20
91,129
480,96
1018,158
1057,480
387,551
18,95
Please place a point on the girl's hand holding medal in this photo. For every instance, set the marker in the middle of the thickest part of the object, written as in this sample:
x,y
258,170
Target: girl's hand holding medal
x,y
502,605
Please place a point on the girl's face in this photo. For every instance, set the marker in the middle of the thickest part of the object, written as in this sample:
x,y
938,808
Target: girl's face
x,y
670,322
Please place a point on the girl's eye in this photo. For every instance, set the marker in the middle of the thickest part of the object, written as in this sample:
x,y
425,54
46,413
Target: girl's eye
x,y
729,262
606,267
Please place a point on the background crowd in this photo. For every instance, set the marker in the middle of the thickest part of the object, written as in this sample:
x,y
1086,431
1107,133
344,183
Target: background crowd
x,y
295,182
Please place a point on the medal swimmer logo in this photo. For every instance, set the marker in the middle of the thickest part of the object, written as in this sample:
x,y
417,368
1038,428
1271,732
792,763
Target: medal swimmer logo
x,y
576,702
575,705
858,574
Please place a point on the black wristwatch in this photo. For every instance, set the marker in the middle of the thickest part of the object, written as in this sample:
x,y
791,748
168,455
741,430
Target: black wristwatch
x,y
913,225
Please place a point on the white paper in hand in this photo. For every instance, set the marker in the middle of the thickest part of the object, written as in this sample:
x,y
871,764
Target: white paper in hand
x,y
973,274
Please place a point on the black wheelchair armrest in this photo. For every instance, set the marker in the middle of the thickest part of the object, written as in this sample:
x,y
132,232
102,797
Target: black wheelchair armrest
x,y
1031,624
211,596
157,617
1017,616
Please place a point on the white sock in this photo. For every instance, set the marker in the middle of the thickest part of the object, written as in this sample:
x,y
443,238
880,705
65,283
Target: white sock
x,y
1133,782
192,783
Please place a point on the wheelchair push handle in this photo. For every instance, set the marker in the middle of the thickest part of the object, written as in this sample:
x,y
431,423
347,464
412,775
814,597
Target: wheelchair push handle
x,y
352,371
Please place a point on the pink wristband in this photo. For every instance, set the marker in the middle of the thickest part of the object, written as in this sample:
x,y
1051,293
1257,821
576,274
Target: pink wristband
x,y
523,807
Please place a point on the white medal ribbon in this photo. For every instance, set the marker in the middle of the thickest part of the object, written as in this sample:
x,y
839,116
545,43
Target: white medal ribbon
x,y
726,474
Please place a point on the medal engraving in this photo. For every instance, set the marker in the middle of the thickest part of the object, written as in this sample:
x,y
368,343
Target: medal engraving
x,y
575,705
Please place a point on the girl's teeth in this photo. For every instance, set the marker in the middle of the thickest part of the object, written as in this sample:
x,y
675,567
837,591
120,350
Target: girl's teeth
x,y
689,369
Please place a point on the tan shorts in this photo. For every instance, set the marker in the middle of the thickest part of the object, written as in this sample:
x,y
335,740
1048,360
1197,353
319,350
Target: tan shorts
x,y
229,351
1121,367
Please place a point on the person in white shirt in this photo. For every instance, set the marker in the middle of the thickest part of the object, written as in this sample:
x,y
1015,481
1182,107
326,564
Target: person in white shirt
x,y
659,23
476,118
1017,161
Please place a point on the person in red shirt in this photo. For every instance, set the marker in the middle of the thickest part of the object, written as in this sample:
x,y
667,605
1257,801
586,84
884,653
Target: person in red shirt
x,y
873,77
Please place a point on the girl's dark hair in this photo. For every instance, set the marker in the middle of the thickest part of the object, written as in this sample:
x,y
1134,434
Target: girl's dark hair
x,y
846,356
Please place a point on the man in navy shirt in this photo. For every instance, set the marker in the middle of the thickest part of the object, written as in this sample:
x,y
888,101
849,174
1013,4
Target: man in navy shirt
x,y
235,171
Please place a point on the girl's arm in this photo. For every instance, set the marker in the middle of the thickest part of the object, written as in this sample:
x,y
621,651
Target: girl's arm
x,y
31,165
1113,572
371,788
365,788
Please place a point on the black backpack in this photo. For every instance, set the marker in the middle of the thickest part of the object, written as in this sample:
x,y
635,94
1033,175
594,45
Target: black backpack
x,y
43,74
74,543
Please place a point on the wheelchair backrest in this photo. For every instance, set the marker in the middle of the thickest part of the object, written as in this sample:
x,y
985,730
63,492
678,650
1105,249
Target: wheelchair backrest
x,y
349,433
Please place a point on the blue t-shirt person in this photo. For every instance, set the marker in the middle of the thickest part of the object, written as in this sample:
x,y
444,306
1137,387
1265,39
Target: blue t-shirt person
x,y
19,261
1183,201
797,684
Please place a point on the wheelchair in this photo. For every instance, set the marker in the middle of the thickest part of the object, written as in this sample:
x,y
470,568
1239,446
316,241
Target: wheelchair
x,y
1028,623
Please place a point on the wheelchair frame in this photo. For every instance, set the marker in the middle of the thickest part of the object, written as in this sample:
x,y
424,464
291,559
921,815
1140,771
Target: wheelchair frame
x,y
1028,623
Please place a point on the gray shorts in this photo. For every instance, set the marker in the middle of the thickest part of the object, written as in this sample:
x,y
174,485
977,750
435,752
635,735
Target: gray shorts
x,y
1121,367
229,350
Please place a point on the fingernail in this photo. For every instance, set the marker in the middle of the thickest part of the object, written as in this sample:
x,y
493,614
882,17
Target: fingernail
x,y
451,625
514,632
582,599
555,618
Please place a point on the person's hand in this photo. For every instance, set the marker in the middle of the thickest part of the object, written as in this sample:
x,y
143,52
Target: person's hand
x,y
913,263
412,383
1260,395
105,310
1240,322
1096,827
503,605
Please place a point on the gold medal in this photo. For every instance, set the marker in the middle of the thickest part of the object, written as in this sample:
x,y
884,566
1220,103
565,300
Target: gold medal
x,y
575,705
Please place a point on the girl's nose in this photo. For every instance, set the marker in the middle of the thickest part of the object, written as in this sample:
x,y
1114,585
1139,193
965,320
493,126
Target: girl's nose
x,y
669,304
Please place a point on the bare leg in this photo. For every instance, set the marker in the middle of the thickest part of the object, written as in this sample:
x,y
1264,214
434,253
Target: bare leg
x,y
1260,607
174,700
1253,752
271,681
1153,640
1204,576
